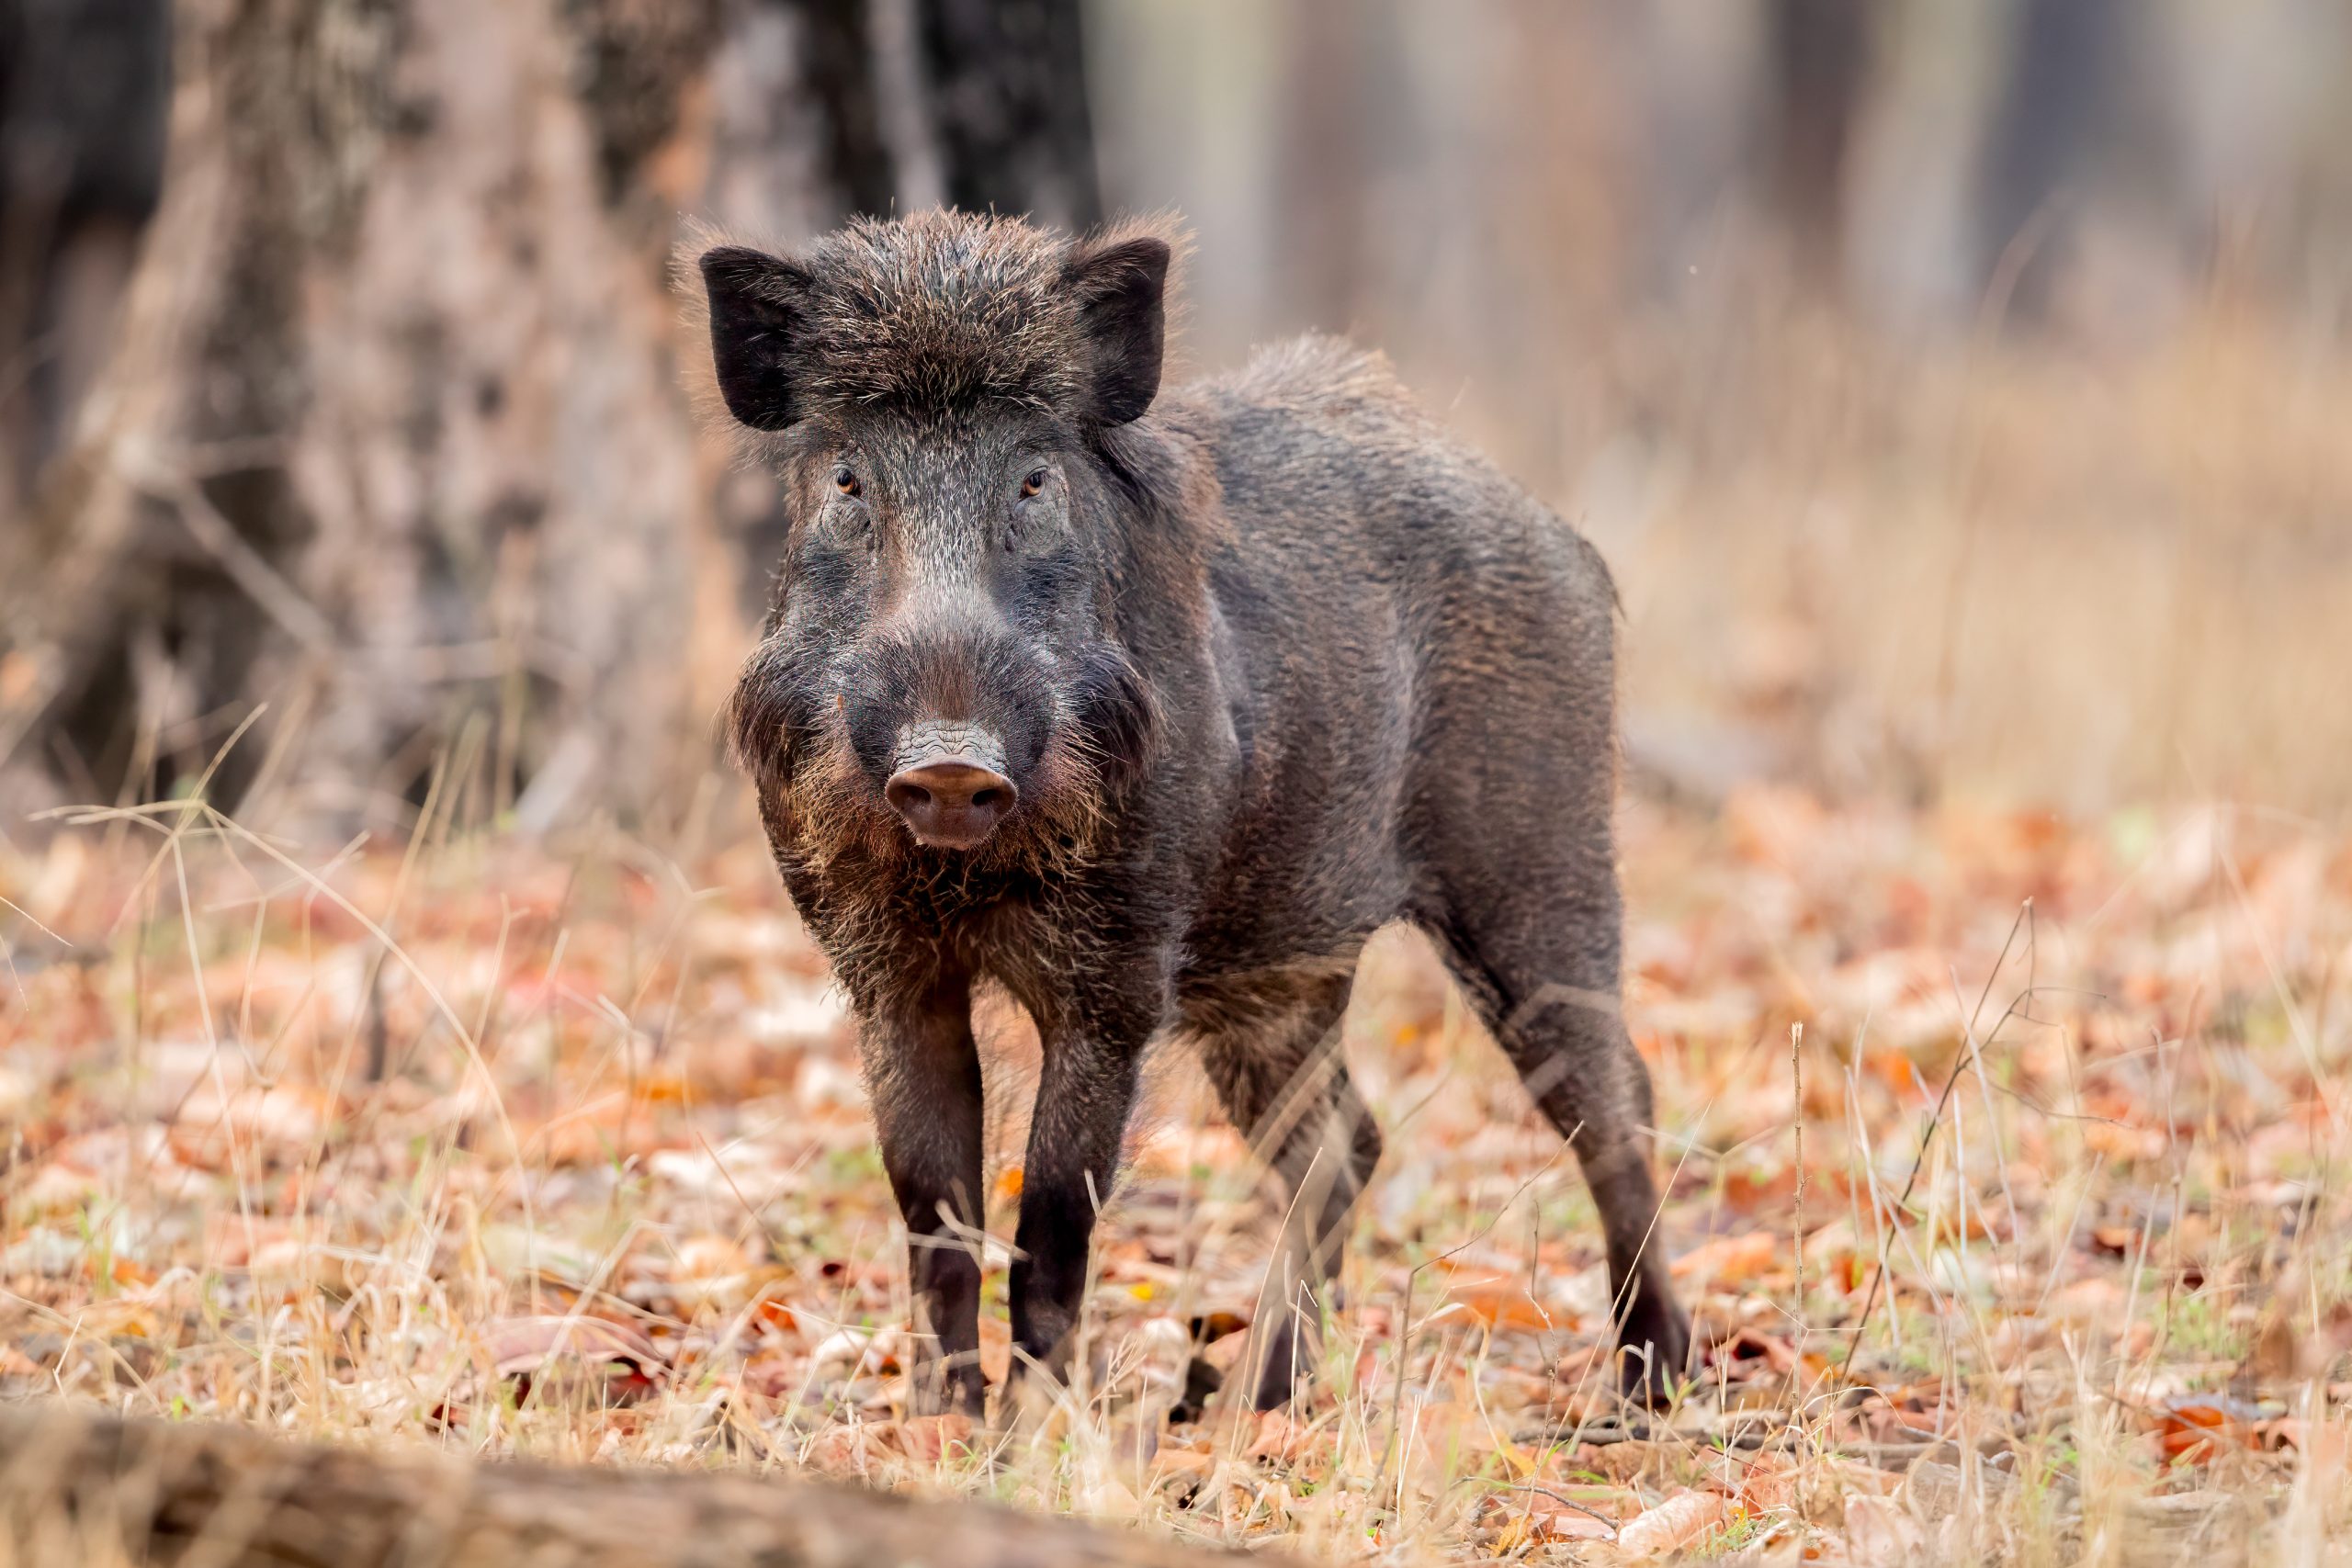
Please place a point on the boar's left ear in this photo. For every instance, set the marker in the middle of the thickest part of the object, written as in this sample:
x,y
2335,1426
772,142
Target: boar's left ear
x,y
755,313
1120,286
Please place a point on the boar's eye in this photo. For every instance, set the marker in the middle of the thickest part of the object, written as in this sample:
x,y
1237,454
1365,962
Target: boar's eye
x,y
845,480
1035,484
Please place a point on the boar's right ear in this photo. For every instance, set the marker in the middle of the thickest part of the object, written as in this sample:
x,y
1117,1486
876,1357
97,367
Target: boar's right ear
x,y
755,301
1121,288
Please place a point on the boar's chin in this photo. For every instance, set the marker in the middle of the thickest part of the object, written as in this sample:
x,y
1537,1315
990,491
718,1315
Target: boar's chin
x,y
824,808
830,810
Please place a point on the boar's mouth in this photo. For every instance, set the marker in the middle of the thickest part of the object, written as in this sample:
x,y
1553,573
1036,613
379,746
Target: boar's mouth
x,y
798,732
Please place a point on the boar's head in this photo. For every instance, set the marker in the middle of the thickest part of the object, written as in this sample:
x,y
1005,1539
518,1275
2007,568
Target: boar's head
x,y
944,398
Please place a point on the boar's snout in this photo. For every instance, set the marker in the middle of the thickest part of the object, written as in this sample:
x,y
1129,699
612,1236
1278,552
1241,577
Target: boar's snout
x,y
950,785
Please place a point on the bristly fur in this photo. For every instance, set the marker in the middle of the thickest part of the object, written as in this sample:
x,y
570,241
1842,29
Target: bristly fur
x,y
935,311
1268,662
800,752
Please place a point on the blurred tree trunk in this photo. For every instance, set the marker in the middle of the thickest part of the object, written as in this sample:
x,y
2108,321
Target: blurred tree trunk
x,y
1008,100
394,437
83,85
1341,59
1820,59
2065,79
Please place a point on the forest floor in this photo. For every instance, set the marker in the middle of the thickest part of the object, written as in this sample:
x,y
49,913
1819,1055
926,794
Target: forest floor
x,y
2006,1156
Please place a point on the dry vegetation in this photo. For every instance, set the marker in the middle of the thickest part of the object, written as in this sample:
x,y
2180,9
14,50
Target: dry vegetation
x,y
558,1151
2007,1151
1980,564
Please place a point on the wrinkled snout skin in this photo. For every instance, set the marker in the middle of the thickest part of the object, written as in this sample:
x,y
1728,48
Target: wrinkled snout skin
x,y
1148,707
949,783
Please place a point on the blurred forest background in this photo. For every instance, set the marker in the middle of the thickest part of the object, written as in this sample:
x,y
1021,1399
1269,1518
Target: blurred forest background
x,y
1963,393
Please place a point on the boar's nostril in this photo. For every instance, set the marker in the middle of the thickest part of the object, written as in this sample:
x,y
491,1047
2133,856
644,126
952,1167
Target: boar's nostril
x,y
951,802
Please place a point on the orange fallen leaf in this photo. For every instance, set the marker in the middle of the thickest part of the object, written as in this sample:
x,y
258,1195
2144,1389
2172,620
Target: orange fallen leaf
x,y
1503,1307
845,1451
119,1270
933,1438
1538,1516
1730,1260
663,1089
2117,1241
2096,1301
2197,1427
2119,1141
996,1349
1279,1437
528,1350
704,1257
1173,1461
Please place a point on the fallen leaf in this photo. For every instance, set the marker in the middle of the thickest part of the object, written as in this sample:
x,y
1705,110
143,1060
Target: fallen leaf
x,y
1502,1306
1730,1260
1880,1533
1280,1435
1535,1516
847,1449
536,1350
847,1353
933,1438
1173,1461
2097,1301
1674,1524
2199,1427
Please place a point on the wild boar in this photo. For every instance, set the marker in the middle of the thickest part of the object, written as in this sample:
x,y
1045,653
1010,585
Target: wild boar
x,y
1150,709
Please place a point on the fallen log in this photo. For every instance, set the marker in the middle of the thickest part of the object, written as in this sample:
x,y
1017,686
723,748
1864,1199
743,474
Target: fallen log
x,y
81,1489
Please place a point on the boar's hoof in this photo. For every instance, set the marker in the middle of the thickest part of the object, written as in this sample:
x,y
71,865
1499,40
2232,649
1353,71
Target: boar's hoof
x,y
1201,1380
1655,1342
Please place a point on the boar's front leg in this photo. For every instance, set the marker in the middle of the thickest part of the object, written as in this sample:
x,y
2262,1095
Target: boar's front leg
x,y
1084,1095
924,1070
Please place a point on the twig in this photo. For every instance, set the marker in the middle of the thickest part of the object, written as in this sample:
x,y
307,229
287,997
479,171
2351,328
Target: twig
x,y
1972,1055
263,582
1565,1503
1796,1080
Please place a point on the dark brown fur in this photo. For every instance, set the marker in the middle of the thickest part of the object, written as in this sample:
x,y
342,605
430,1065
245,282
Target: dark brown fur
x,y
1277,663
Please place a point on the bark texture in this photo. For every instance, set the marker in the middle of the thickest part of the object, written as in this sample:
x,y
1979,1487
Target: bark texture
x,y
83,1488
395,438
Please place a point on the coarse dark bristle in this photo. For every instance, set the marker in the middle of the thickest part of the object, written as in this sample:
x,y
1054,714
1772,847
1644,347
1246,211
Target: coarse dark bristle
x,y
941,310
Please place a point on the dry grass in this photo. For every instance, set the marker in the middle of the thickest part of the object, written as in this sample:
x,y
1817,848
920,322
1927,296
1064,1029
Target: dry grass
x,y
1996,567
560,1151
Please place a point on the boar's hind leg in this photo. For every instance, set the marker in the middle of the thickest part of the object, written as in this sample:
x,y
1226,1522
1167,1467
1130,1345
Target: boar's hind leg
x,y
925,1072
1543,971
1277,1067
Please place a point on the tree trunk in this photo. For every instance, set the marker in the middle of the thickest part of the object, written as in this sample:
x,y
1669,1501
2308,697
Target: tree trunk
x,y
83,1488
83,85
395,438
1007,98
2065,80
1820,62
